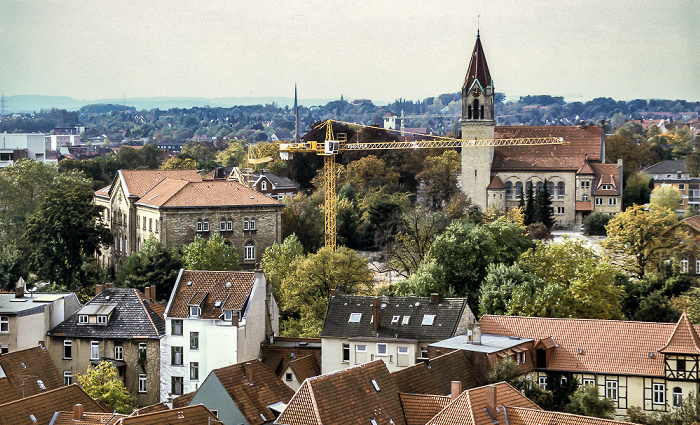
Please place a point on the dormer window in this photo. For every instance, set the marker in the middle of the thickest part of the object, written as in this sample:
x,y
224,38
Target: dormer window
x,y
82,319
217,304
194,311
606,187
428,320
228,315
355,317
263,185
101,319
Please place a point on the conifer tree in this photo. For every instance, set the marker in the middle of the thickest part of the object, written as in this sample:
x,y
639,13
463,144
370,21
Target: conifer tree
x,y
544,212
529,206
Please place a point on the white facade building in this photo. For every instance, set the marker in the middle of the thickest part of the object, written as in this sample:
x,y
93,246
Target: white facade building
x,y
16,146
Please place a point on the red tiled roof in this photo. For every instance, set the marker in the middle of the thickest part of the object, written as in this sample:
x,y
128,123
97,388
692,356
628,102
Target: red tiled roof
x,y
584,206
496,183
478,69
585,168
606,174
42,406
416,379
526,416
103,192
197,414
183,400
24,370
209,193
277,356
88,418
138,182
215,286
684,338
305,367
420,408
607,346
452,367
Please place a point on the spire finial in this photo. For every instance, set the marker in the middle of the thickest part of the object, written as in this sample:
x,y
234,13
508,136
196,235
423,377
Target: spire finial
x,y
477,25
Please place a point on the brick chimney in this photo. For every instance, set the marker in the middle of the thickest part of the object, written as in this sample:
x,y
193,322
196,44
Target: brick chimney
x,y
456,389
375,313
491,399
583,124
153,293
99,288
78,411
234,318
249,372
147,293
109,286
434,297
333,292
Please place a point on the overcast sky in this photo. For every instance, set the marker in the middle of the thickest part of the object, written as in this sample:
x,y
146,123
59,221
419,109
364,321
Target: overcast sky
x,y
382,50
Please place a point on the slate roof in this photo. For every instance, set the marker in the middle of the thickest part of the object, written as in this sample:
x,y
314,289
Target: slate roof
x,y
447,311
470,407
420,408
171,193
138,182
133,318
478,69
571,156
667,167
608,346
348,396
253,395
277,181
277,356
305,367
211,286
525,416
42,406
436,378
35,365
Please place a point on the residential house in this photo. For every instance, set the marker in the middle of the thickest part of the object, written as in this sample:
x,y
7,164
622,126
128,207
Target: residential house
x,y
185,415
278,136
674,173
298,370
578,176
174,206
690,263
397,330
18,146
646,364
278,353
263,181
26,373
243,393
121,326
206,308
26,316
64,136
41,408
437,378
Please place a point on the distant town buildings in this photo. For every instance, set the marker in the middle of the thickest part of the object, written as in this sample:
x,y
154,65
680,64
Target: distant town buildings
x,y
17,146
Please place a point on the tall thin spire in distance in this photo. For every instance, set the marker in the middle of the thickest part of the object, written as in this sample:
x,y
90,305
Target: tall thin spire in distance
x,y
296,115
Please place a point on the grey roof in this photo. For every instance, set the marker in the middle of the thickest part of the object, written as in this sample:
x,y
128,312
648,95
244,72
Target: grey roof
x,y
667,167
96,308
132,318
277,181
29,304
489,343
447,311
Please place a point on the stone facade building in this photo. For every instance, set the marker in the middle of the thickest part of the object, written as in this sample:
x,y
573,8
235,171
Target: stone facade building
x,y
174,206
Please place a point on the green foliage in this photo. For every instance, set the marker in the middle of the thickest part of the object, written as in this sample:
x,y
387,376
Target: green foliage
x,y
303,217
594,224
637,190
10,266
439,178
154,264
666,197
498,287
277,260
504,370
233,156
210,254
543,210
349,216
687,414
586,401
202,153
180,163
102,383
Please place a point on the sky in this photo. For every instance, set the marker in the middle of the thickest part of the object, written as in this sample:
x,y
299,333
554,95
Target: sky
x,y
381,50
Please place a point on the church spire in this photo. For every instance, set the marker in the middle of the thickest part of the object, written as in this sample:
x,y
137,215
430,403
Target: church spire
x,y
478,69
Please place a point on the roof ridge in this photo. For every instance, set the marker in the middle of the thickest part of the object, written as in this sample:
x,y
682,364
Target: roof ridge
x,y
142,299
577,319
314,403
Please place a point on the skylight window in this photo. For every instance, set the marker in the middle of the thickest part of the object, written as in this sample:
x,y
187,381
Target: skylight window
x,y
217,304
355,317
405,320
428,320
375,385
41,384
395,320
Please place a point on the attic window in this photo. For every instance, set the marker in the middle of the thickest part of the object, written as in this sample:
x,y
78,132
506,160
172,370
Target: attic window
x,y
101,319
228,315
375,385
428,320
217,304
194,311
395,320
41,384
355,317
228,284
82,318
32,418
189,283
405,320
372,422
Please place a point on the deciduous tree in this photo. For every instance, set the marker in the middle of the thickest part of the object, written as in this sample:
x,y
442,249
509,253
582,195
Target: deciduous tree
x,y
102,383
666,197
586,401
154,264
178,163
277,260
210,254
439,178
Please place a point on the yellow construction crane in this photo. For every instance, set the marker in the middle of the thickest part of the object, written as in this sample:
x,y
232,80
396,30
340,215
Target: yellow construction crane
x,y
338,142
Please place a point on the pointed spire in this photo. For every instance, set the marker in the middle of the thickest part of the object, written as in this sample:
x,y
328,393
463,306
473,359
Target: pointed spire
x,y
478,69
684,339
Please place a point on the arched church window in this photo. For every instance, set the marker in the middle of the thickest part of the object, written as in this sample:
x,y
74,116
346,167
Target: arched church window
x,y
529,186
482,112
550,188
469,111
518,188
476,108
561,189
540,186
509,189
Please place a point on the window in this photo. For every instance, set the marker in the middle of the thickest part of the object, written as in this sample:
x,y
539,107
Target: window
x,y
542,381
563,380
67,377
395,320
612,201
101,319
246,224
586,185
560,210
250,251
176,356
346,353
228,315
659,393
584,197
144,223
528,186
82,319
4,324
518,189
142,350
150,224
199,226
681,186
381,349
4,349
405,320
684,265
611,390
428,320
509,189
142,383
263,185
177,385
424,352
680,365
355,317
194,340
176,327
606,187
677,397
403,350
252,224
550,188
599,201
588,381
540,187
229,225
67,349
194,311
222,226
361,348
118,352
205,226
94,350
194,371
561,189
288,376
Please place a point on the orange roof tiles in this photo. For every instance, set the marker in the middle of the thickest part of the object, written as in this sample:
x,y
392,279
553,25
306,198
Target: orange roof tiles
x,y
684,339
584,206
608,346
496,183
525,416
693,222
231,288
305,367
88,418
197,414
24,370
277,355
42,406
420,408
210,193
103,192
138,182
183,400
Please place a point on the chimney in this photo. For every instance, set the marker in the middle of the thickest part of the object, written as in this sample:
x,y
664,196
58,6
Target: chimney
x,y
434,297
249,372
491,397
474,333
109,286
153,293
234,318
78,411
583,125
333,292
98,289
456,389
147,293
19,288
375,313
602,141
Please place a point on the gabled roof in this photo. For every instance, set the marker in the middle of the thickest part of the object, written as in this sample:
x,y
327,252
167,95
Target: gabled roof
x,y
305,367
231,289
684,338
253,394
278,354
171,193
42,406
420,408
133,317
392,313
693,222
138,182
667,167
470,406
349,396
27,371
197,414
585,168
278,182
183,400
416,379
478,69
527,416
88,418
606,174
452,367
632,351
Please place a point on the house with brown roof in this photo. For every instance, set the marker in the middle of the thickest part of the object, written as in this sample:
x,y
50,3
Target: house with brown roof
x,y
646,364
278,353
436,376
174,206
243,393
120,325
41,408
197,414
206,309
26,373
578,176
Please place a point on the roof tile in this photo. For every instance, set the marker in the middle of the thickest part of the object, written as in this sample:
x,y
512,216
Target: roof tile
x,y
231,288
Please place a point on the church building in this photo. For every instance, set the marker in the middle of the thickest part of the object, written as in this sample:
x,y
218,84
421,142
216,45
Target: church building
x,y
578,176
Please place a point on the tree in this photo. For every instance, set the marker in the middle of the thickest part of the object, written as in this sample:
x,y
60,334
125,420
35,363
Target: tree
x,y
439,178
214,253
179,163
543,210
637,189
586,401
306,289
666,197
10,266
277,261
687,414
154,264
594,224
639,240
371,172
499,285
233,156
65,232
102,383
303,217
530,206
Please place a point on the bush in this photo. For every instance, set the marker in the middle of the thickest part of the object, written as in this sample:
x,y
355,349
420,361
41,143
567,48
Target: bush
x,y
594,224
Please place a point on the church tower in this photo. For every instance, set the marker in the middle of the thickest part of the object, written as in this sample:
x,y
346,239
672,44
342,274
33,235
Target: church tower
x,y
477,123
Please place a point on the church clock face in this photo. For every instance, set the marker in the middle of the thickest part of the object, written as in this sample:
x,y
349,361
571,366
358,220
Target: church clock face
x,y
476,92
